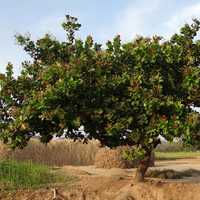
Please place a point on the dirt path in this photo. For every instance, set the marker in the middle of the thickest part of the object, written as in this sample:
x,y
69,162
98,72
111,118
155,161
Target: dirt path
x,y
177,165
118,184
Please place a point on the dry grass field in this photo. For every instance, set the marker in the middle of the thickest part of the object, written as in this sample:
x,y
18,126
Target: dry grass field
x,y
56,153
68,152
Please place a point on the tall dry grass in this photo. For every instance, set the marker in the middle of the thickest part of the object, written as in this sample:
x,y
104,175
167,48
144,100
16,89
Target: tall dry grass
x,y
56,153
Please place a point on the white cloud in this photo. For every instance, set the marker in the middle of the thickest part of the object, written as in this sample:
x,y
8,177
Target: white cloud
x,y
184,15
135,19
14,53
51,24
149,18
141,17
11,53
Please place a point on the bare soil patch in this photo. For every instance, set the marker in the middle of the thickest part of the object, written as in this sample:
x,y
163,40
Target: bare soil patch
x,y
117,184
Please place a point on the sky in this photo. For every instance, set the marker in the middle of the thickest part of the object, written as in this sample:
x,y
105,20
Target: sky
x,y
103,19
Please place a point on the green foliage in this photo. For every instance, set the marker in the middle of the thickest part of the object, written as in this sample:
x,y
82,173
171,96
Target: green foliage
x,y
121,94
70,26
134,154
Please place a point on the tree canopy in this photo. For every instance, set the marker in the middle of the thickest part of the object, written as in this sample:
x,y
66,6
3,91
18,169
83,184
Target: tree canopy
x,y
122,94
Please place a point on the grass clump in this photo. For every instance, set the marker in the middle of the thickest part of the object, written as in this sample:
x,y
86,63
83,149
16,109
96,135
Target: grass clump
x,y
15,175
176,155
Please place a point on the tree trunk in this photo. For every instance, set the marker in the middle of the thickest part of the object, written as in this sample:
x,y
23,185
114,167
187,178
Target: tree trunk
x,y
142,168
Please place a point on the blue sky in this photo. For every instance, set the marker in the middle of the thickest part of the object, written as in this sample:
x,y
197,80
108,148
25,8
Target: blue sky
x,y
103,19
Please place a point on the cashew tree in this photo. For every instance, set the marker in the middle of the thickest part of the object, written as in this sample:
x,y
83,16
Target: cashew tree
x,y
122,94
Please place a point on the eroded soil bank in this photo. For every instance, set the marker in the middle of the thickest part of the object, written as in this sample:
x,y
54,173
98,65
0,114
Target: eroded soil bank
x,y
113,188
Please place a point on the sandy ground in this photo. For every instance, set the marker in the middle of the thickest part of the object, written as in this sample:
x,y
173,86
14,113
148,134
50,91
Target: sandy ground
x,y
177,165
118,184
